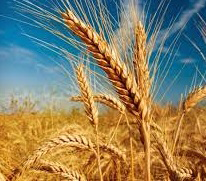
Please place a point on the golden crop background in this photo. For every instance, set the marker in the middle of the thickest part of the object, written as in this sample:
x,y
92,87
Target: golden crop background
x,y
23,131
134,139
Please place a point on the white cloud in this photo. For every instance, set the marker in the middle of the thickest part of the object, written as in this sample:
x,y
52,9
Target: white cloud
x,y
187,14
187,61
131,12
48,69
14,54
184,18
17,54
166,50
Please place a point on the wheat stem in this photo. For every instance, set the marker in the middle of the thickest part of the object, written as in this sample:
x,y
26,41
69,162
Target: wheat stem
x,y
90,108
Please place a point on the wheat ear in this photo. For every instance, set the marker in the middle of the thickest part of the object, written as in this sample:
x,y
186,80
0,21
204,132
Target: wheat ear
x,y
192,99
140,61
108,100
78,141
58,169
87,97
107,59
90,108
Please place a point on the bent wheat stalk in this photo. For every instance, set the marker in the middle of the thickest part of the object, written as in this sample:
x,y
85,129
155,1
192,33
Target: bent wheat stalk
x,y
78,141
192,99
175,173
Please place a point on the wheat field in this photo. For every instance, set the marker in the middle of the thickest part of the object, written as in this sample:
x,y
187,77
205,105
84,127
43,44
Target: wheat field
x,y
119,131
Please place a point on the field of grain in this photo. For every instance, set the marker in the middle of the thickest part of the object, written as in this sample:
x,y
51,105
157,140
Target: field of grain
x,y
118,131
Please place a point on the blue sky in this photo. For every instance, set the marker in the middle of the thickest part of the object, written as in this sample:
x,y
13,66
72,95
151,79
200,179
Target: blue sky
x,y
26,67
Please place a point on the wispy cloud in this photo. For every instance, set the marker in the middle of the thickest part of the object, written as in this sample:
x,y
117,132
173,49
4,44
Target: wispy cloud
x,y
48,69
131,12
167,50
187,61
17,54
184,18
179,25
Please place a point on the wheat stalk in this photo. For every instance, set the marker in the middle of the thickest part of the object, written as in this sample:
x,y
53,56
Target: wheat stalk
x,y
108,100
90,107
66,139
192,99
58,169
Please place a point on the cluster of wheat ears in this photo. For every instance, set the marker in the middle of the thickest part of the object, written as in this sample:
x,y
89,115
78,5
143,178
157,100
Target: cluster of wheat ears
x,y
130,78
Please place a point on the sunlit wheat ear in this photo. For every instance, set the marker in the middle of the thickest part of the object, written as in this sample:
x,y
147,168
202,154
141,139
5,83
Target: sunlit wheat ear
x,y
194,97
108,100
175,173
117,72
90,108
77,141
58,169
140,61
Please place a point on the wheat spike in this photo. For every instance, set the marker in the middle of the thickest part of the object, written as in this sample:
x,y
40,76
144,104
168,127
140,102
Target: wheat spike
x,y
194,97
107,59
108,100
90,108
140,61
58,169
